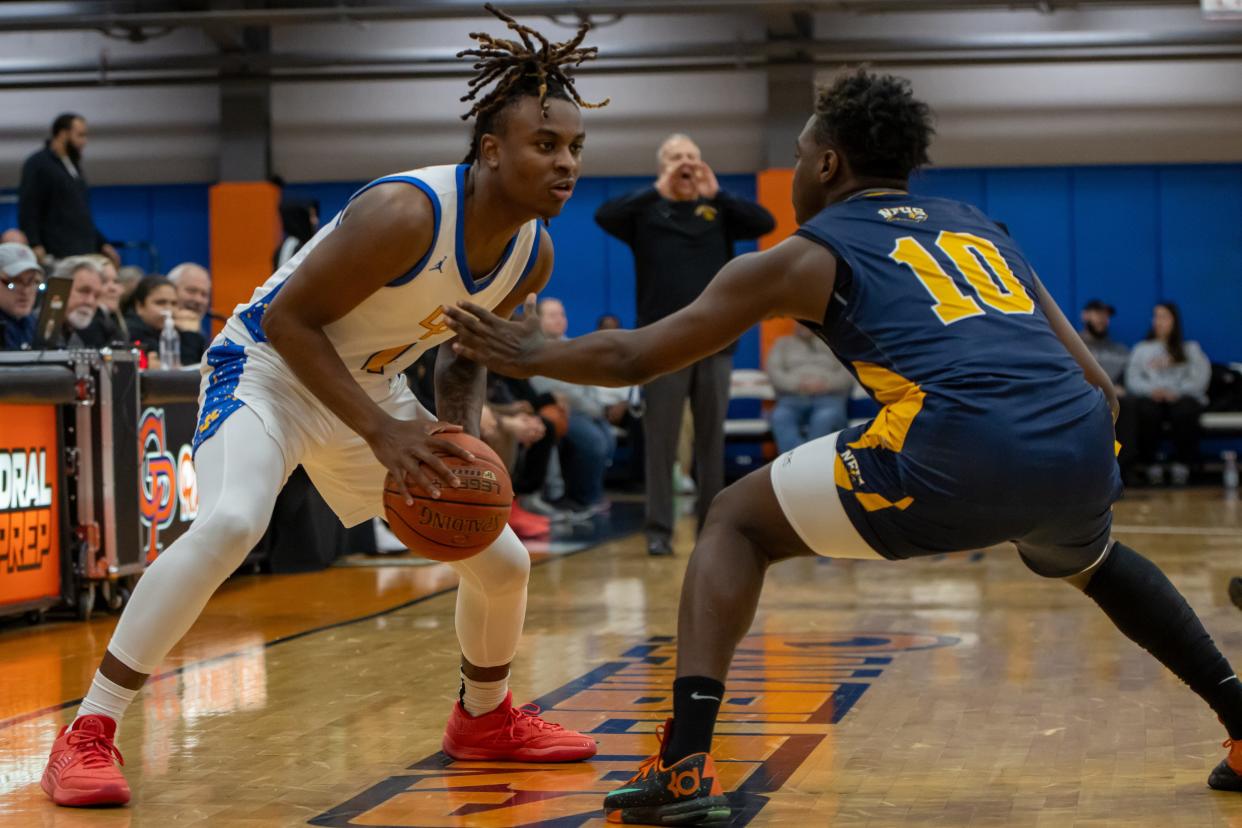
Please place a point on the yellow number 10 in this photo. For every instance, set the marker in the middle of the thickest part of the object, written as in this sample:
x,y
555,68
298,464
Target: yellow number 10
x,y
996,286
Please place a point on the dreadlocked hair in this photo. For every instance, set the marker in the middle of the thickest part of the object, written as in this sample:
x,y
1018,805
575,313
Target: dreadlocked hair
x,y
876,122
521,69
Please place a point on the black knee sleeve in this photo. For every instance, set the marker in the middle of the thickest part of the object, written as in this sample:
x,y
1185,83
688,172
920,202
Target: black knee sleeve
x,y
1140,599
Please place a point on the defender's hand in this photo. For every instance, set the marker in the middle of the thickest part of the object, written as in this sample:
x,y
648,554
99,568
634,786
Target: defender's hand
x,y
407,449
509,348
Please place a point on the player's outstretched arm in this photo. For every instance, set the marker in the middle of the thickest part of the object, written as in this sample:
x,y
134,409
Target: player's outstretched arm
x,y
461,383
382,235
1073,343
795,278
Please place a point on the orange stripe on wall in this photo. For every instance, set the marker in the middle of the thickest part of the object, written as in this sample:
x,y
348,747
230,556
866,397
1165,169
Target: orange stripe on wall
x,y
245,229
775,191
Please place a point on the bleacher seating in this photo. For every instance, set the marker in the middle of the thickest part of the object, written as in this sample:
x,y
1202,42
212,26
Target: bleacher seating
x,y
749,384
1222,423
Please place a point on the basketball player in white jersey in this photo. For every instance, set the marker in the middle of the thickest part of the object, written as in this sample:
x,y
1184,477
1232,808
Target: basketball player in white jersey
x,y
309,372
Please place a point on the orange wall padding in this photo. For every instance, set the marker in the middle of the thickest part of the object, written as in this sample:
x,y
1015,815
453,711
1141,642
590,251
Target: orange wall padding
x,y
775,189
245,229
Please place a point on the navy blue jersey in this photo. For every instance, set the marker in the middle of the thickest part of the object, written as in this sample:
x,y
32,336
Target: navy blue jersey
x,y
988,426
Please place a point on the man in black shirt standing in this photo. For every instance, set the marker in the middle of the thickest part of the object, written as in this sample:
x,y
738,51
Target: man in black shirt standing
x,y
54,208
682,232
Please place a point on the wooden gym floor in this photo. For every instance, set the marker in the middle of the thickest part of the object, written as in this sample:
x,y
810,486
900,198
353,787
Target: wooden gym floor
x,y
960,691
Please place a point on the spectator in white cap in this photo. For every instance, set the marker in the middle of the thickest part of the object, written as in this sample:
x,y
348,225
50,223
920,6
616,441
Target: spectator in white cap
x,y
20,277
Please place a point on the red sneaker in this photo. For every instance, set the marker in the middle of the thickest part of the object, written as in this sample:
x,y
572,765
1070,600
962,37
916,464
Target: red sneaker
x,y
526,524
81,770
514,734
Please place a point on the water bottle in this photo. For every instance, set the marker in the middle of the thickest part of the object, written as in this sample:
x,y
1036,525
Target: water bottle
x,y
1230,476
170,344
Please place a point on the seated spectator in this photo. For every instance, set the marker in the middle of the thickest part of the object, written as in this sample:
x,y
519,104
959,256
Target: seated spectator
x,y
506,434
193,284
1113,358
506,431
517,398
1111,354
616,404
129,276
421,377
109,317
586,448
812,389
616,401
15,236
1168,377
82,304
623,411
20,277
145,308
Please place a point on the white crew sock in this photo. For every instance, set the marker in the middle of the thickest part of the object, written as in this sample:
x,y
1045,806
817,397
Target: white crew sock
x,y
479,697
106,698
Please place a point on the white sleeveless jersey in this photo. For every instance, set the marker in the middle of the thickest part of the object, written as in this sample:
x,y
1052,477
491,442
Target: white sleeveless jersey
x,y
389,329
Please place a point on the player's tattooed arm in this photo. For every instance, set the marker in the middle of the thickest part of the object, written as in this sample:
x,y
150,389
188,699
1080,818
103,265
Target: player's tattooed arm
x,y
795,278
461,383
461,388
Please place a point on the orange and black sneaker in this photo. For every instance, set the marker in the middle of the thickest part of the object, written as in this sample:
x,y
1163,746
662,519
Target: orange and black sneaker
x,y
1227,776
81,770
684,793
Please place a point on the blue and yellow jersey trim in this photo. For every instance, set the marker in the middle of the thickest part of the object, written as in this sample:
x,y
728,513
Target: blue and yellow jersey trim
x,y
227,361
902,400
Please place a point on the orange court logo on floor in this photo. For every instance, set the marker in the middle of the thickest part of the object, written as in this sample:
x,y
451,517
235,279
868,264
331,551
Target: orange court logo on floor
x,y
785,692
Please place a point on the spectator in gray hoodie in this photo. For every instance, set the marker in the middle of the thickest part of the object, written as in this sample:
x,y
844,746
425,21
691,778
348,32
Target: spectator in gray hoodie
x,y
812,389
586,449
1168,378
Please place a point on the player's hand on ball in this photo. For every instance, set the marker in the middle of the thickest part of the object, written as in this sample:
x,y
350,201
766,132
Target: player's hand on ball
x,y
504,346
407,448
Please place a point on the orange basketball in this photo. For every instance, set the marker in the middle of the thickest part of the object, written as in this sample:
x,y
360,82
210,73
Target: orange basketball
x,y
463,521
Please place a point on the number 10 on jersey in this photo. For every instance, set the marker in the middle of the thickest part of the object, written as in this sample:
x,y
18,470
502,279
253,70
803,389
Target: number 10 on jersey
x,y
996,286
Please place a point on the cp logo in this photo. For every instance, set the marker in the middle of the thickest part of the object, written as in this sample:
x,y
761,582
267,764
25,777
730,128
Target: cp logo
x,y
157,500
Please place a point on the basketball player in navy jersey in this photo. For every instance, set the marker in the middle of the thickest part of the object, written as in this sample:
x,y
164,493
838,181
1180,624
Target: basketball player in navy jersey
x,y
310,372
996,423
